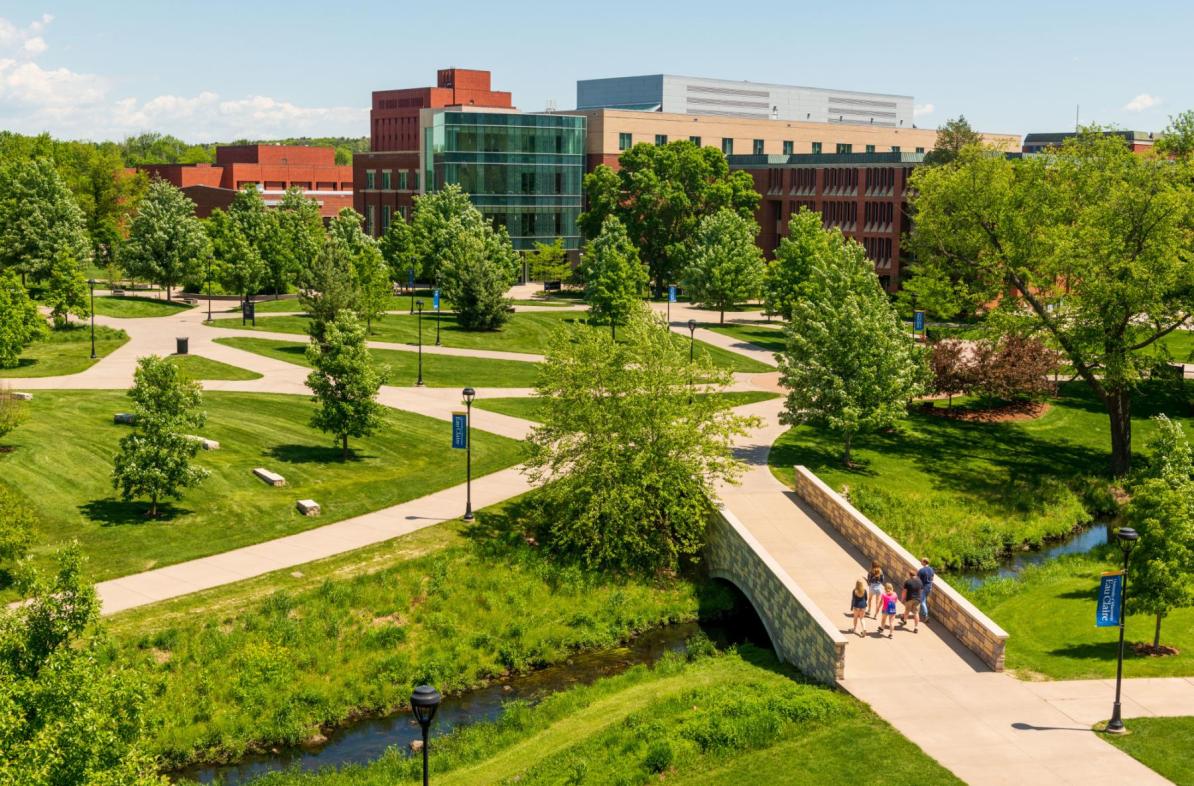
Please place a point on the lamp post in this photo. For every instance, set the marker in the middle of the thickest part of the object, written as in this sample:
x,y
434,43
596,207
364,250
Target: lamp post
x,y
419,303
437,309
91,284
691,349
469,394
411,281
424,701
207,281
1127,541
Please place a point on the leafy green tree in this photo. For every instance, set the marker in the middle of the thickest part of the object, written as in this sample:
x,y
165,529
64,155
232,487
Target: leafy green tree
x,y
726,266
787,277
16,519
19,321
614,278
398,249
69,720
239,267
1177,139
627,458
439,219
951,138
155,459
372,277
475,282
39,219
345,382
106,192
327,287
300,236
849,365
154,148
548,262
1090,245
66,290
166,241
661,193
260,228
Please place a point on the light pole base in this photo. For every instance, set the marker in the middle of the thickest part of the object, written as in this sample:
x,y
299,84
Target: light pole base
x,y
419,384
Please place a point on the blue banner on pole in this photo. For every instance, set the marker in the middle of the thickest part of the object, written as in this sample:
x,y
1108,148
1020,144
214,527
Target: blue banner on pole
x,y
435,300
918,321
1110,594
411,277
671,293
459,430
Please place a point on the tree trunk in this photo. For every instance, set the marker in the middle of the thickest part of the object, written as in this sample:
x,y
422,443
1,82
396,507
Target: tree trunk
x,y
723,316
1119,409
344,448
153,506
846,449
613,329
949,406
167,293
1157,635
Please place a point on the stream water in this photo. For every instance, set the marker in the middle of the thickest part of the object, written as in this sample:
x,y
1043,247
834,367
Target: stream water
x,y
365,740
1079,543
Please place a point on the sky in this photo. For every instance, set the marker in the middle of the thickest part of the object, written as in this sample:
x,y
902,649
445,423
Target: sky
x,y
220,70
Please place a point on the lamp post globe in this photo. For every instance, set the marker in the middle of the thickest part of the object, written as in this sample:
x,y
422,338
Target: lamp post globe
x,y
424,701
691,338
469,394
1126,537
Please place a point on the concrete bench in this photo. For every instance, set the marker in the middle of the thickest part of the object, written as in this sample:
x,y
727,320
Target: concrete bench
x,y
22,396
308,507
124,418
118,292
190,301
272,478
204,442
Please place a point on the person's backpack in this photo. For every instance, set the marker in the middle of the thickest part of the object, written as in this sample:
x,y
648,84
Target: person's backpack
x,y
890,607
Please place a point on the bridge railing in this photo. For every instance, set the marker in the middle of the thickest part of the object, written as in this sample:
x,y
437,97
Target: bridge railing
x,y
948,607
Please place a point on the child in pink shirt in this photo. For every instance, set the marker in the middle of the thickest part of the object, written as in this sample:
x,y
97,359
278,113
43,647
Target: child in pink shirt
x,y
887,607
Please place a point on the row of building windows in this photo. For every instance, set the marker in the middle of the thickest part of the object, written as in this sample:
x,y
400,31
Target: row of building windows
x,y
408,180
758,146
387,216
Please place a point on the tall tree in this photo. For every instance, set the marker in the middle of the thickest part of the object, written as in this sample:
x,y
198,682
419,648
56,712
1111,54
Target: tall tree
x,y
951,138
166,241
726,266
548,262
19,321
788,275
660,193
260,227
475,282
1177,139
66,290
439,219
372,278
239,267
398,249
327,287
1092,243
850,366
300,235
155,459
345,382
39,219
614,278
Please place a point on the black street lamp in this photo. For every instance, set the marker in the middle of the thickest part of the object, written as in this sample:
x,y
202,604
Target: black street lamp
x,y
469,394
419,303
1127,541
91,284
412,290
691,338
424,701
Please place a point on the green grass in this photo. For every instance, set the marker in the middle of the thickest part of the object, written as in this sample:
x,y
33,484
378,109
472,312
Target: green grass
x,y
530,332
733,718
1049,610
199,367
771,339
527,407
66,350
132,307
402,367
548,301
62,464
276,658
1161,744
963,492
280,306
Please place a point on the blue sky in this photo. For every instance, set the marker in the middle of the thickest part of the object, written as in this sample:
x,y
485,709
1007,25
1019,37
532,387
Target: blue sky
x,y
219,70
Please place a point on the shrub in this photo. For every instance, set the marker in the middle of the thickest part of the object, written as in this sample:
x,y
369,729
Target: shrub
x,y
659,756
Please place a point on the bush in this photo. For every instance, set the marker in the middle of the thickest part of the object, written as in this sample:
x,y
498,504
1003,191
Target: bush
x,y
1013,368
659,756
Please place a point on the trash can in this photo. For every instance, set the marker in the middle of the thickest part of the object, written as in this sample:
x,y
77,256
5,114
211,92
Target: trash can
x,y
183,345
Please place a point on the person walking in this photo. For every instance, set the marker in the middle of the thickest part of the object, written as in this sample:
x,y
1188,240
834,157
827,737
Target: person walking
x,y
875,581
887,605
913,590
926,574
858,603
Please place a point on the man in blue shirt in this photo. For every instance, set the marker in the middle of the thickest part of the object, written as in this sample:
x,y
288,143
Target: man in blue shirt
x,y
925,574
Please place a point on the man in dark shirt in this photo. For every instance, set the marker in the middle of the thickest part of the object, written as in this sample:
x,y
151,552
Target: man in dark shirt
x,y
913,589
926,575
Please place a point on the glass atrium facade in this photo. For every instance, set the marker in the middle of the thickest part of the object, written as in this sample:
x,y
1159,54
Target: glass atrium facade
x,y
523,171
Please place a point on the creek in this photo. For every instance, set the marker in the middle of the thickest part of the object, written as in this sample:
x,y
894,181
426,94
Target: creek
x,y
1079,542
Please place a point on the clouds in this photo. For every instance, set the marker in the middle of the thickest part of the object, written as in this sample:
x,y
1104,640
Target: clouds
x,y
920,110
35,98
1142,102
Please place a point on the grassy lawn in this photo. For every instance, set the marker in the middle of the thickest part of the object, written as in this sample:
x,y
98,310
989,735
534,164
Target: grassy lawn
x,y
294,305
527,407
530,332
963,492
66,351
199,367
276,658
62,457
768,338
280,306
1162,744
733,718
438,370
547,301
131,307
1049,611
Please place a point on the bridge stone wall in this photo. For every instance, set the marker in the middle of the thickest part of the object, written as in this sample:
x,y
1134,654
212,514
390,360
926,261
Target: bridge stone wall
x,y
800,632
956,614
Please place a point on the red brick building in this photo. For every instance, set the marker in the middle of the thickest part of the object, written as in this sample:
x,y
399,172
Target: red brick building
x,y
272,168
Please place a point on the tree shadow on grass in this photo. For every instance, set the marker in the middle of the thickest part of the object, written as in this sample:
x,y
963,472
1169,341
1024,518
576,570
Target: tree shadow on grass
x,y
112,512
313,454
1103,650
823,454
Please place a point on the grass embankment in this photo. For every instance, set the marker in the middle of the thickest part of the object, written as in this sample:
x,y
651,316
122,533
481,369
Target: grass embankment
x,y
199,367
62,463
530,332
718,719
1161,744
277,658
963,492
439,371
768,338
66,350
292,305
134,307
1049,614
528,407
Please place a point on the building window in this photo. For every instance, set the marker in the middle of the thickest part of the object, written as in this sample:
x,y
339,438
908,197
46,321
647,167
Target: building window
x,y
624,141
920,150
789,147
402,211
756,147
402,180
386,213
660,140
842,147
895,148
370,176
387,179
414,180
696,140
727,145
816,148
870,148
